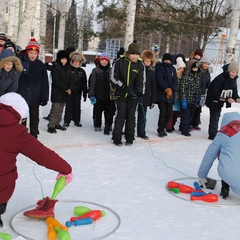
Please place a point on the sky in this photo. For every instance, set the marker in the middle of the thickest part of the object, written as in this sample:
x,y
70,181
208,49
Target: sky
x,y
128,183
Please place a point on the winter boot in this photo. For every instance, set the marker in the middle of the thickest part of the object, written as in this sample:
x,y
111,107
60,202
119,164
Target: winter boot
x,y
224,190
44,209
107,130
2,210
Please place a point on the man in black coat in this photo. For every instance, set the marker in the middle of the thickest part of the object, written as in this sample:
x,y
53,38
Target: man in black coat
x,y
223,89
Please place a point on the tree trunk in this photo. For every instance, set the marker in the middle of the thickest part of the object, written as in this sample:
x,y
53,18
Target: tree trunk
x,y
81,28
62,24
232,37
12,6
43,23
2,11
26,23
131,10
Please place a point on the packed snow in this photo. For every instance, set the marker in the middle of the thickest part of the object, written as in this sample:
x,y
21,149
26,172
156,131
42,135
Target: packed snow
x,y
129,180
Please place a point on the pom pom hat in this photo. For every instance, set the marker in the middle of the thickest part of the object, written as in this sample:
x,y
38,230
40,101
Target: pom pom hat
x,y
133,48
104,56
33,45
17,102
180,63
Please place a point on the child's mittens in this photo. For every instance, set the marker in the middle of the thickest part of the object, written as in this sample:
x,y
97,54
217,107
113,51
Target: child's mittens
x,y
43,102
93,100
140,97
68,177
184,104
127,90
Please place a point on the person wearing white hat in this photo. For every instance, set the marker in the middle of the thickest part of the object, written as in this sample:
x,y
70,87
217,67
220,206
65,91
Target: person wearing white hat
x,y
16,139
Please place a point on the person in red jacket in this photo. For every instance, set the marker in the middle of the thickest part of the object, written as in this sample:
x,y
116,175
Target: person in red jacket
x,y
15,139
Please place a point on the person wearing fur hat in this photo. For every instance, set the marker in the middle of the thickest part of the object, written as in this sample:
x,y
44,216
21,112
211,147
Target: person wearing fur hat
x,y
149,97
190,94
73,105
3,39
15,139
33,83
223,89
10,70
99,94
180,68
205,79
166,79
128,80
62,86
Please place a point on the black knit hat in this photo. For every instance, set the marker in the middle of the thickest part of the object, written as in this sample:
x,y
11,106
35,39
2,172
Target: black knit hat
x,y
133,48
167,56
9,43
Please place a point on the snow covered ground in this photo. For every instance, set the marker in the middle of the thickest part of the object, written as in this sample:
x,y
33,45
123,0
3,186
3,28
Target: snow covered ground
x,y
129,180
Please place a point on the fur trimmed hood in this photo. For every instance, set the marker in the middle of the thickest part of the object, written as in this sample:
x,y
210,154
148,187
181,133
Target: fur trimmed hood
x,y
148,54
77,56
16,63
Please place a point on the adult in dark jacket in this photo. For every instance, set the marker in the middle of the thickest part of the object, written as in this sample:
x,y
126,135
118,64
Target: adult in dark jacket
x,y
14,140
33,83
99,92
10,70
205,79
73,105
166,80
128,79
223,89
62,86
149,97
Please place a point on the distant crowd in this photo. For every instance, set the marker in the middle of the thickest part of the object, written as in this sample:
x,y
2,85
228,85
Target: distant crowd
x,y
134,82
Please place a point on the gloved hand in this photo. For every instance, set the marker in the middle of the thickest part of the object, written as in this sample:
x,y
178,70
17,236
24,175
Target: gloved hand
x,y
68,177
85,98
203,182
140,97
199,101
43,102
93,100
151,105
168,92
127,90
184,104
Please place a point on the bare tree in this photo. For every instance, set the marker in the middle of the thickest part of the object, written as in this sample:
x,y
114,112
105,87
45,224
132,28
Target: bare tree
x,y
232,38
26,22
131,11
12,6
62,23
81,28
43,18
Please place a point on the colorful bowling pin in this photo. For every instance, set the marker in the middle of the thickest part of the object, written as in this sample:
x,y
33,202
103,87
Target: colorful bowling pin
x,y
62,234
206,198
59,185
84,221
174,190
81,210
51,234
94,214
55,223
5,236
172,184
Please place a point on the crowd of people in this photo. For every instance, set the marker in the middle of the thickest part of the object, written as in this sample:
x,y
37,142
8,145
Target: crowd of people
x,y
134,82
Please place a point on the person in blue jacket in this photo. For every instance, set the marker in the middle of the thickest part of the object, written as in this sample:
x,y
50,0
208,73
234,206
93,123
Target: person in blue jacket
x,y
225,147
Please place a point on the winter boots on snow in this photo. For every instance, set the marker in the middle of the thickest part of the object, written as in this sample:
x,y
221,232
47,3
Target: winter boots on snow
x,y
44,209
224,190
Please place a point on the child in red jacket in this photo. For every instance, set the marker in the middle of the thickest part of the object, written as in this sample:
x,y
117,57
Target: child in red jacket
x,y
15,139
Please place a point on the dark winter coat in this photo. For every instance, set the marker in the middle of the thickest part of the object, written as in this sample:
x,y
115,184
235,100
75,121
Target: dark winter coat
x,y
62,80
127,73
15,139
205,80
166,77
99,84
9,80
33,83
79,81
217,87
150,88
190,88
